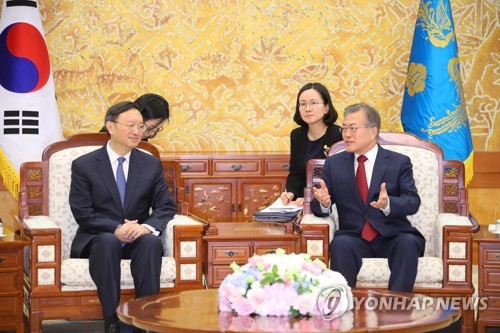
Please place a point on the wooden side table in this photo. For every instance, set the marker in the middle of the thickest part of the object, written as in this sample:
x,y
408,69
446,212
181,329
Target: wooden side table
x,y
238,241
488,277
11,281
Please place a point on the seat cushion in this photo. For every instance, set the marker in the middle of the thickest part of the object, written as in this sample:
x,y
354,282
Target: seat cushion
x,y
375,273
75,274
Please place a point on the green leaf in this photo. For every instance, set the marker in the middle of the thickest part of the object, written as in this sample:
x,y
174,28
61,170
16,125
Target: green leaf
x,y
295,313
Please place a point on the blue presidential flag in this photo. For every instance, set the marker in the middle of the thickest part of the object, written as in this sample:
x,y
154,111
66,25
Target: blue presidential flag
x,y
433,104
29,119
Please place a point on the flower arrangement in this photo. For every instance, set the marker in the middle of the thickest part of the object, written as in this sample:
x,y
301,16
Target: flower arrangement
x,y
283,285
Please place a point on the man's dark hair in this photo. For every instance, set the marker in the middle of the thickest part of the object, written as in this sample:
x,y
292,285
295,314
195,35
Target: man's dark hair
x,y
115,110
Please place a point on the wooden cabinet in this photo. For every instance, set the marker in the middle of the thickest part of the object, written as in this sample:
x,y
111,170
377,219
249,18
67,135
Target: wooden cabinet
x,y
230,188
488,278
236,242
11,282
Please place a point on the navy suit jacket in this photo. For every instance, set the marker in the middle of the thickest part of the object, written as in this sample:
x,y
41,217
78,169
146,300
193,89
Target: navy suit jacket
x,y
390,167
95,201
296,180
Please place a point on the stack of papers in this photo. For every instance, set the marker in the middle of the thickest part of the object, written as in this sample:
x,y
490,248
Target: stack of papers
x,y
277,212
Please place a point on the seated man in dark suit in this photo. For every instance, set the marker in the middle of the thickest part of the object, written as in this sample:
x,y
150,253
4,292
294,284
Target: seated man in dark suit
x,y
374,190
112,191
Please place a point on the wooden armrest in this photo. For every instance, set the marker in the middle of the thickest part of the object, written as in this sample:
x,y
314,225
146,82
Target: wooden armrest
x,y
308,197
44,255
456,235
190,234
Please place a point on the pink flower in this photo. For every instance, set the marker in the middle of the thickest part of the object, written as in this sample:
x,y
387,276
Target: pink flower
x,y
305,304
256,296
243,307
280,298
312,267
258,261
225,305
224,291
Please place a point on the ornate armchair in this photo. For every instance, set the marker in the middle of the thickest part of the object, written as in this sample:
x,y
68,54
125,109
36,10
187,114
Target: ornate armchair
x,y
443,219
60,287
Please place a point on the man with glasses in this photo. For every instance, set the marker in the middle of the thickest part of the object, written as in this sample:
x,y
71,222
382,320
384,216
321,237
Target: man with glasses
x,y
113,189
374,190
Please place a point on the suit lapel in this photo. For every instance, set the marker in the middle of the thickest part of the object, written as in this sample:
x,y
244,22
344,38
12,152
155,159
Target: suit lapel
x,y
351,177
381,164
106,171
134,169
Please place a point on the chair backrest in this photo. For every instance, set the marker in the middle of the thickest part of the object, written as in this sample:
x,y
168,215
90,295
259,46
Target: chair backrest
x,y
440,183
53,185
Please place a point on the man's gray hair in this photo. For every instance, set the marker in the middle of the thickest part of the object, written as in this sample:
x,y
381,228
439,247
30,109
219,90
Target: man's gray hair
x,y
371,114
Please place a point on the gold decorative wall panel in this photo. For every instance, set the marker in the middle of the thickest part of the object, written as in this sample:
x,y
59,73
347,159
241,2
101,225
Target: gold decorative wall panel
x,y
231,68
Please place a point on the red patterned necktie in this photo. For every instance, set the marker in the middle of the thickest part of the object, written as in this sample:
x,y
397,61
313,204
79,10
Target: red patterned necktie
x,y
368,233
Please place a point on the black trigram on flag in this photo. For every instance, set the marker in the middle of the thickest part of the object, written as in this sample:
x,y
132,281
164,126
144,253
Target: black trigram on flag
x,y
21,122
15,3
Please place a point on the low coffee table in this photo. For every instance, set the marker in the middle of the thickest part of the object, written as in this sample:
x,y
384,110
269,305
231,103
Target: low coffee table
x,y
197,311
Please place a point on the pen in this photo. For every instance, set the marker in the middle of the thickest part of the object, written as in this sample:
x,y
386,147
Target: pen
x,y
286,194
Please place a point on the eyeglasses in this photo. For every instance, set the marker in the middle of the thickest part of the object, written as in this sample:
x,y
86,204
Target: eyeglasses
x,y
312,104
351,129
153,131
131,127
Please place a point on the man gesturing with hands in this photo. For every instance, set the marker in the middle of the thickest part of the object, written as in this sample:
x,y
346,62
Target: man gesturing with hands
x,y
374,191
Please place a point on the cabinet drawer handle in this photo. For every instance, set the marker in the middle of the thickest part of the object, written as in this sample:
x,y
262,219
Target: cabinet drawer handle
x,y
231,253
236,167
286,166
185,167
2,260
271,252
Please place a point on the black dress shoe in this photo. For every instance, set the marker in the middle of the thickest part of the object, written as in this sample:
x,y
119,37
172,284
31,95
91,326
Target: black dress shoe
x,y
112,328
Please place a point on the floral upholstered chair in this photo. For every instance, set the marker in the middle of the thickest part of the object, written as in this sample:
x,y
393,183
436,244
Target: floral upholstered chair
x,y
443,219
60,287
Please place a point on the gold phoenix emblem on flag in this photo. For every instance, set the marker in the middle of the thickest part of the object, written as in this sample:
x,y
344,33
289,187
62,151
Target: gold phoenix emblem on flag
x,y
415,80
436,23
456,118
